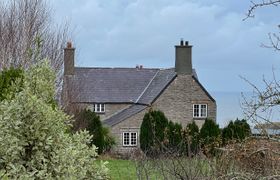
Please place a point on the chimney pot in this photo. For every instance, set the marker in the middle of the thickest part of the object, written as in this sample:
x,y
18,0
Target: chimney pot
x,y
187,43
182,42
69,44
141,66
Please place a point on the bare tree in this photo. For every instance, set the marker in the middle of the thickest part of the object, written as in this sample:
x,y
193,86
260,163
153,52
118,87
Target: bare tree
x,y
261,3
27,31
274,38
263,106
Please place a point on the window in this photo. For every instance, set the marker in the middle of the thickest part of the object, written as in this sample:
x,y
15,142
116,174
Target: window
x,y
99,108
200,110
129,139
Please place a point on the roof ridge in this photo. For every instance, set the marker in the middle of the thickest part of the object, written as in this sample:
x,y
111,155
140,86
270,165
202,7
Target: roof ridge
x,y
116,68
146,87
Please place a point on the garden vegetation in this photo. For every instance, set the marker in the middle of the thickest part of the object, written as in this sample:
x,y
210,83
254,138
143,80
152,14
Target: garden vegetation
x,y
35,137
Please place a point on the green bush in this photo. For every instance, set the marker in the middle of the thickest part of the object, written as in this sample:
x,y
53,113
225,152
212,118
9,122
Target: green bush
x,y
153,132
237,130
101,135
109,140
192,132
33,135
210,136
160,125
147,133
158,135
8,77
175,138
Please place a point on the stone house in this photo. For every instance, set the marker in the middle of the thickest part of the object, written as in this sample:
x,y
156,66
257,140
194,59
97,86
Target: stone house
x,y
121,96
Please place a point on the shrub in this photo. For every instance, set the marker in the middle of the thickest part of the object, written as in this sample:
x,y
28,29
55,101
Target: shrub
x,y
210,136
147,133
158,135
101,135
237,130
160,125
8,77
174,133
109,140
192,132
33,135
153,131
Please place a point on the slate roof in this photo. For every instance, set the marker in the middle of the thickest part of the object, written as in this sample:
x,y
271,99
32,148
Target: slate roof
x,y
140,87
120,85
124,114
156,86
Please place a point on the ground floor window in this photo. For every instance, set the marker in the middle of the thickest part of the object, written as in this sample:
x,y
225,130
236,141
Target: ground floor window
x,y
200,110
129,138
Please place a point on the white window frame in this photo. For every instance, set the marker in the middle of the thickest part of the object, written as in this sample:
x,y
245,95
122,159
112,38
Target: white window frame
x,y
99,106
130,139
200,111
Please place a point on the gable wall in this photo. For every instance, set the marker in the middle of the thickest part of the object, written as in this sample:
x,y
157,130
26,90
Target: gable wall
x,y
178,98
176,102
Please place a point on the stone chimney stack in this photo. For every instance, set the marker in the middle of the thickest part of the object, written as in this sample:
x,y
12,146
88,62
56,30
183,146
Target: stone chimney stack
x,y
69,53
183,61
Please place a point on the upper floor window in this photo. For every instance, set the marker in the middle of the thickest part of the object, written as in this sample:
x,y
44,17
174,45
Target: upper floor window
x,y
129,138
200,110
99,108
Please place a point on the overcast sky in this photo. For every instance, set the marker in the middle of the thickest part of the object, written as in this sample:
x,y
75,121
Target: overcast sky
x,y
124,33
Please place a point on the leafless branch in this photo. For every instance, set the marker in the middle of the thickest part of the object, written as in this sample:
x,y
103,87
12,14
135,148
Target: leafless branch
x,y
27,31
274,41
263,103
259,4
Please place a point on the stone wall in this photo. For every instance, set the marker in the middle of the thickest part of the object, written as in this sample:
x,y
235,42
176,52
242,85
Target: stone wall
x,y
177,104
110,109
131,124
178,98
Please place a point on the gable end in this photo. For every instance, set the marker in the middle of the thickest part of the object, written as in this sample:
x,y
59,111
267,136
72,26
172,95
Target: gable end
x,y
201,86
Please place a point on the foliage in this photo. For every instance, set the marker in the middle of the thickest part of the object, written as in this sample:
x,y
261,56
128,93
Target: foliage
x,y
146,133
160,126
7,78
33,135
175,137
157,134
109,140
153,131
237,130
192,131
210,136
101,135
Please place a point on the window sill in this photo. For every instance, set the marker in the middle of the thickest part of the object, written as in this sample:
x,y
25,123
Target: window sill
x,y
127,146
199,118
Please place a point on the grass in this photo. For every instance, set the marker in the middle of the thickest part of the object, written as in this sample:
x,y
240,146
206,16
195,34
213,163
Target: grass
x,y
182,168
121,169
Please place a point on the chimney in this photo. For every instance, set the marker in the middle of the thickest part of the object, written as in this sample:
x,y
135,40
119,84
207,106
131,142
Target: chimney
x,y
69,53
183,61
